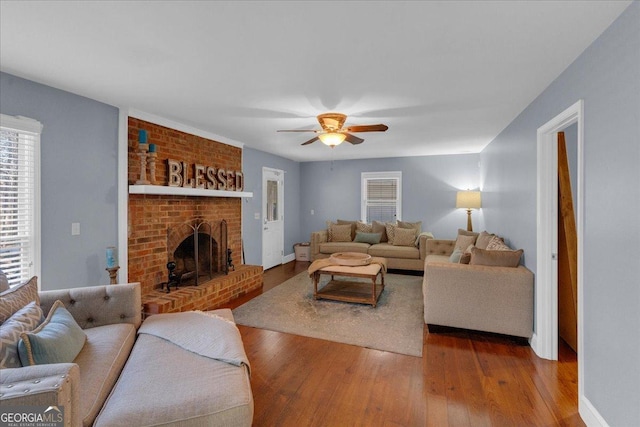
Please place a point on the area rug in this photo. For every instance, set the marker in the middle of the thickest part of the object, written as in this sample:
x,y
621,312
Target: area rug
x,y
395,325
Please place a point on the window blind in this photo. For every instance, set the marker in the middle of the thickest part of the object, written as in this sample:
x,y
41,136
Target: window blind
x,y
381,198
19,197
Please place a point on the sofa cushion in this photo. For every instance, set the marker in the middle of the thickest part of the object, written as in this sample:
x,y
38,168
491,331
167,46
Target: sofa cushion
x,y
353,225
483,239
17,297
340,233
404,237
455,255
497,244
463,242
387,250
417,226
103,357
202,391
364,227
380,227
24,320
333,247
495,258
391,231
462,232
58,339
371,238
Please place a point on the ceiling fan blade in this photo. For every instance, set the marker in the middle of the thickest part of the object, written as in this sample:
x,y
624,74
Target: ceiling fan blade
x,y
367,128
311,141
353,139
298,130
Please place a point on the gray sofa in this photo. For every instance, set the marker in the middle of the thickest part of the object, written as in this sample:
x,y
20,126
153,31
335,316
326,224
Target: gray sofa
x,y
477,297
118,379
398,257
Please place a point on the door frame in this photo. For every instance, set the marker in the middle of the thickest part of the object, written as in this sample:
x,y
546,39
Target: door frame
x,y
545,338
281,174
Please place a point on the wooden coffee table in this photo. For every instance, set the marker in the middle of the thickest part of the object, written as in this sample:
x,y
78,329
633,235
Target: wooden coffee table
x,y
350,290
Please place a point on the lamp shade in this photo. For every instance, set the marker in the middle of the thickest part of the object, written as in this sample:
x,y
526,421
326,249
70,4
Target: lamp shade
x,y
332,138
468,200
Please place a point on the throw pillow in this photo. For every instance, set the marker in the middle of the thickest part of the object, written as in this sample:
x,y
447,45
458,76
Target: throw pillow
x,y
467,233
497,244
465,258
455,256
17,297
463,242
4,282
415,225
495,258
352,224
364,227
58,339
380,227
340,233
483,240
24,320
370,238
404,237
391,231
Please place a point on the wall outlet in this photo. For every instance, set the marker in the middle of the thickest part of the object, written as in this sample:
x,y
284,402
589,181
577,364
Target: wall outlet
x,y
75,228
256,215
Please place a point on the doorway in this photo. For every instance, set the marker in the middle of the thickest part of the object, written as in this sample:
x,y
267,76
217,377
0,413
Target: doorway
x,y
545,338
272,217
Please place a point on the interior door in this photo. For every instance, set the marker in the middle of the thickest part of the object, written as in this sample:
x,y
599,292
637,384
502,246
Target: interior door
x,y
567,253
272,217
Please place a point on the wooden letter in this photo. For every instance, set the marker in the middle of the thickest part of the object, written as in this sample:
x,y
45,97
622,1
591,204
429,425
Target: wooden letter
x,y
222,181
239,181
231,182
199,175
211,176
174,169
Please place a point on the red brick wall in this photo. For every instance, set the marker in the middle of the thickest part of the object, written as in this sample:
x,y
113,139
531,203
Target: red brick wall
x,y
151,215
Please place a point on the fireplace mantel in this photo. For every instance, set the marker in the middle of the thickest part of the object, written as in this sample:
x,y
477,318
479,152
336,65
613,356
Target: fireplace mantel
x,y
185,191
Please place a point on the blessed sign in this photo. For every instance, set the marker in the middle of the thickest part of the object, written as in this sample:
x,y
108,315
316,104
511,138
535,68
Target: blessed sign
x,y
182,174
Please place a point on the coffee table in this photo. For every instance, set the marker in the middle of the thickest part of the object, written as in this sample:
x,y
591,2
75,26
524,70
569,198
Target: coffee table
x,y
350,290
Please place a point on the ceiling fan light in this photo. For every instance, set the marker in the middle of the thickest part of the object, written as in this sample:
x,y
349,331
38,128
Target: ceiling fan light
x,y
332,138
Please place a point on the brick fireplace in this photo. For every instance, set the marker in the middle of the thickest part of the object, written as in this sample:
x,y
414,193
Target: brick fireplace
x,y
159,224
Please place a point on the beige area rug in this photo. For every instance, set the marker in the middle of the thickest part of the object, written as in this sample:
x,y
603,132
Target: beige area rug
x,y
395,325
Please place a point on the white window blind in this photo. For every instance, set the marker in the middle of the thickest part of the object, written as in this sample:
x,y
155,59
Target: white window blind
x,y
381,196
19,197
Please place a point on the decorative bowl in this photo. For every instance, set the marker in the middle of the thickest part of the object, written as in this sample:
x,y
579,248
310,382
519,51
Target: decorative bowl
x,y
350,258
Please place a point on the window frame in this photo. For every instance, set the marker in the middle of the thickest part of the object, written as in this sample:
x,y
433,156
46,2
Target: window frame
x,y
366,176
25,125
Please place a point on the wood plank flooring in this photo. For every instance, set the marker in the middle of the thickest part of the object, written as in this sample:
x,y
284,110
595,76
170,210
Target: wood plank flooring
x,y
463,379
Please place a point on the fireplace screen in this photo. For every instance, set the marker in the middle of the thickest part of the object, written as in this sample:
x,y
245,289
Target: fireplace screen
x,y
197,252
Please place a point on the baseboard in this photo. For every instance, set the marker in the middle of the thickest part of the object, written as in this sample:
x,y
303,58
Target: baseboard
x,y
590,414
288,258
533,342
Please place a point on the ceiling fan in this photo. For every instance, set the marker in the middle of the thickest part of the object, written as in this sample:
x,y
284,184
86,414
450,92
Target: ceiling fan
x,y
333,133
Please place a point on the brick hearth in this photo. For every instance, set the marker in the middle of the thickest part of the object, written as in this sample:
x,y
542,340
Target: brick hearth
x,y
211,294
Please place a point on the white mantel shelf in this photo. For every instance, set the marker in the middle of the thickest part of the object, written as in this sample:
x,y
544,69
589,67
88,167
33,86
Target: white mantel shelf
x,y
165,190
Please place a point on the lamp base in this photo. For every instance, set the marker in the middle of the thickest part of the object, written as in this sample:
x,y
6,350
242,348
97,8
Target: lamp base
x,y
113,274
469,226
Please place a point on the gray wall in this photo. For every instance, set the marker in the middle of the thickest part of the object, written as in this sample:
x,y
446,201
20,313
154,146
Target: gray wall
x,y
252,163
78,169
429,184
607,77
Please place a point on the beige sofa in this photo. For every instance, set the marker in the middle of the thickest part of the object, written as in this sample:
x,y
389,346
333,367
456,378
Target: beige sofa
x,y
120,379
398,257
477,297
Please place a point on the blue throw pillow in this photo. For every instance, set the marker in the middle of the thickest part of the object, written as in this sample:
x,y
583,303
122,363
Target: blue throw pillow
x,y
456,255
58,339
371,238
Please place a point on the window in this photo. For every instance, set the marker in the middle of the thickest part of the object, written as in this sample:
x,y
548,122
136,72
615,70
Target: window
x,y
381,196
19,198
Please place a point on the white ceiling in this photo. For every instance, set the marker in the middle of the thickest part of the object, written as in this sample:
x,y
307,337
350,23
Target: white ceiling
x,y
445,76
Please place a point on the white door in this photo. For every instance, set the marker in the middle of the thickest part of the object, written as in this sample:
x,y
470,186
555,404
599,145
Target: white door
x,y
272,217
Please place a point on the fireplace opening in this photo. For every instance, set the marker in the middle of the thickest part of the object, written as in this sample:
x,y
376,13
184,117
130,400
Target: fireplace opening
x,y
197,252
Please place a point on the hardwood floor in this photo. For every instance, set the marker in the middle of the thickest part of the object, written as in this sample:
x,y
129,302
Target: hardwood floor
x,y
462,379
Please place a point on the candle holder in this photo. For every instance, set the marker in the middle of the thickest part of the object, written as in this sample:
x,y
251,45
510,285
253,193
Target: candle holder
x,y
113,274
152,166
142,153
